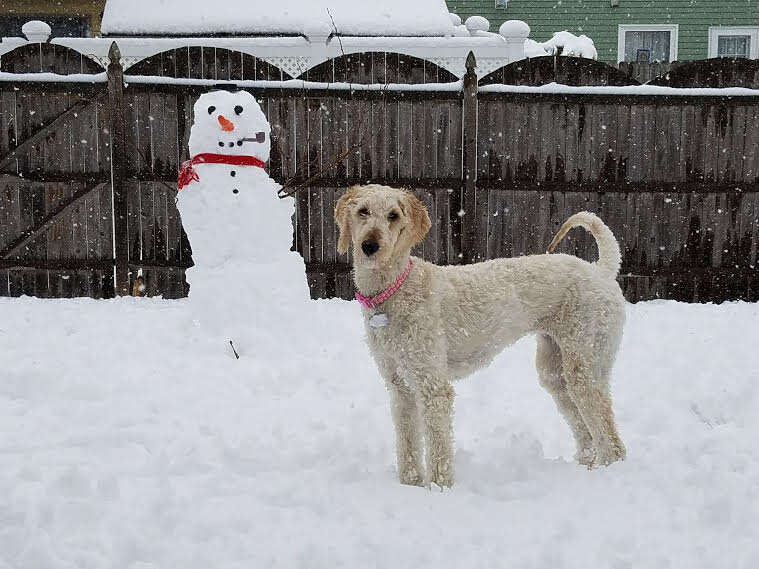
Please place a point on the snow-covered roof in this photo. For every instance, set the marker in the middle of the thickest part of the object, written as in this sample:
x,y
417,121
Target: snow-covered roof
x,y
251,17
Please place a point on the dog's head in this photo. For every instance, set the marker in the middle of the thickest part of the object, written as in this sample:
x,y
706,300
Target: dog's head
x,y
382,223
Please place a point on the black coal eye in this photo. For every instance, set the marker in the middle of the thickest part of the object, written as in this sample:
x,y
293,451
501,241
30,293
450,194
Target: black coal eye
x,y
211,109
238,110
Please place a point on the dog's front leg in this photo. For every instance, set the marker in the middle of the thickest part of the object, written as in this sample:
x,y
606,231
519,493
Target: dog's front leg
x,y
408,434
436,396
407,421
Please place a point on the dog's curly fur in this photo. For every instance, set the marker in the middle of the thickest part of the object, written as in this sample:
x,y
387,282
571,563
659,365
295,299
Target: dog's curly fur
x,y
446,322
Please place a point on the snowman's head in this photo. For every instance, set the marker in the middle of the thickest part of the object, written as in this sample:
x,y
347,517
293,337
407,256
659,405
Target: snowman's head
x,y
230,123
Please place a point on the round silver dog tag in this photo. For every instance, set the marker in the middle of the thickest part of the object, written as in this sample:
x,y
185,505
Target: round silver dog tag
x,y
379,320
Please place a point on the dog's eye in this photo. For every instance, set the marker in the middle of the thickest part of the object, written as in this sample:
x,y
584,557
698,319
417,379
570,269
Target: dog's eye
x,y
393,216
363,212
211,109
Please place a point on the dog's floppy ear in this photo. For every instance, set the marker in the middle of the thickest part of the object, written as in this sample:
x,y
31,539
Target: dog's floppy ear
x,y
420,221
341,217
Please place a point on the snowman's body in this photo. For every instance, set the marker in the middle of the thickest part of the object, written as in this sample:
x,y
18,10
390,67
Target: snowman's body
x,y
239,230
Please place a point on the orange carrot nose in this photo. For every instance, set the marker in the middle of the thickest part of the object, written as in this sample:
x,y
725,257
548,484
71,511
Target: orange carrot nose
x,y
226,126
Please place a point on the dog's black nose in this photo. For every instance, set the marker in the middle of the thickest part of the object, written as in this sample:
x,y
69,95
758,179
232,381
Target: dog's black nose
x,y
369,247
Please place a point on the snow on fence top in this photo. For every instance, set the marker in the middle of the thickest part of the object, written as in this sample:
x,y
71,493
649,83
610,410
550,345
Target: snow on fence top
x,y
312,18
562,43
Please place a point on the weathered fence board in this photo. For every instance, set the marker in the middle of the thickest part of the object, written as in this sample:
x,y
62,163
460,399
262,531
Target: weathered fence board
x,y
378,68
47,58
643,72
208,63
716,72
565,70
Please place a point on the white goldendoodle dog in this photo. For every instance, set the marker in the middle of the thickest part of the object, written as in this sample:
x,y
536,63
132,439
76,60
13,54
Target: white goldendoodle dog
x,y
428,325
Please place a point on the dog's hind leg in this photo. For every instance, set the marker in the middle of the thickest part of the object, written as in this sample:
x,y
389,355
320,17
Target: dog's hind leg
x,y
549,365
587,384
408,433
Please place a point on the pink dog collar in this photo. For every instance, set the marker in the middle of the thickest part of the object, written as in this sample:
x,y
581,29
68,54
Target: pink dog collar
x,y
372,302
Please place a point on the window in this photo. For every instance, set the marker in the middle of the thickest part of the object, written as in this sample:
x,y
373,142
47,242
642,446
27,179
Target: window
x,y
734,42
733,46
648,43
501,3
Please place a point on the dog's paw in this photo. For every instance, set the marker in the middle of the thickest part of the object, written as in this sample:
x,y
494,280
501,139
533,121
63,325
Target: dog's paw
x,y
441,473
610,455
592,458
586,457
412,476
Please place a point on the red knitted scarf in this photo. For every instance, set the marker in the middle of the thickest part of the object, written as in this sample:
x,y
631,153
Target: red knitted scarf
x,y
187,173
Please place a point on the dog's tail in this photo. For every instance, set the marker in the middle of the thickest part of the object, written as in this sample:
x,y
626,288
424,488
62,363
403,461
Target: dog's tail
x,y
609,257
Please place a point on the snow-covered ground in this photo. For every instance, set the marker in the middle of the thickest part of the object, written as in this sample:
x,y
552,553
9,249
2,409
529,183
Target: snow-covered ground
x,y
132,439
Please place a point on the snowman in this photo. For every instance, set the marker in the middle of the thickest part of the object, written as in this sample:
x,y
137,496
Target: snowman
x,y
240,231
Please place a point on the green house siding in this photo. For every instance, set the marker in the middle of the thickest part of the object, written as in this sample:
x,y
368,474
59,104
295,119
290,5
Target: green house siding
x,y
599,20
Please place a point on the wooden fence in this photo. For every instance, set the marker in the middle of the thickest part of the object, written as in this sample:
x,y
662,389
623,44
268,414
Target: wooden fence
x,y
676,177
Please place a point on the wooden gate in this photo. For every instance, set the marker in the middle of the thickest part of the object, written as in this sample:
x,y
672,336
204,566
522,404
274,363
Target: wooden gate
x,y
61,232
55,199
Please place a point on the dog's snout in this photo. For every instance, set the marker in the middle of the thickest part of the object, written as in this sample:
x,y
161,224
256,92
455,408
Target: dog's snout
x,y
369,247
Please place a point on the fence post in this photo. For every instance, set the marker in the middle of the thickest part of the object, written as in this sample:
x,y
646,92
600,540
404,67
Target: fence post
x,y
468,215
118,169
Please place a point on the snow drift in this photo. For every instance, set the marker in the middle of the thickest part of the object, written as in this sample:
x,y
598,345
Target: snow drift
x,y
562,43
131,439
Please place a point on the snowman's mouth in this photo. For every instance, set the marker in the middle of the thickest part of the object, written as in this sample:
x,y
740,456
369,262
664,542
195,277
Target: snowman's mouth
x,y
259,138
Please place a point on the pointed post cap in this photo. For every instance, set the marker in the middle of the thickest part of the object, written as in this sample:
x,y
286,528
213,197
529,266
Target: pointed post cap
x,y
114,54
471,62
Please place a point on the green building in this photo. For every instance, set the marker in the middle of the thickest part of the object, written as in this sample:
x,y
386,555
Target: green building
x,y
630,30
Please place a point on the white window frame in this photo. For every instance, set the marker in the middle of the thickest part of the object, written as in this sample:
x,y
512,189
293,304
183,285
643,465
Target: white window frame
x,y
716,31
674,30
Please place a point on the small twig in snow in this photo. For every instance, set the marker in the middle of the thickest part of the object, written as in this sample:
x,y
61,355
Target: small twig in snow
x,y
237,356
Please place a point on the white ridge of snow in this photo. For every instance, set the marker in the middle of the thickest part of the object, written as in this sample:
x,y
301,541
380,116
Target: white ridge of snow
x,y
572,45
562,43
642,90
550,88
296,84
54,77
308,17
534,49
